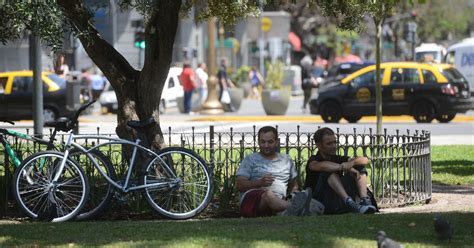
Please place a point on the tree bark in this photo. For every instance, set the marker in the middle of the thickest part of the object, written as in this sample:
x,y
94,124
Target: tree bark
x,y
138,92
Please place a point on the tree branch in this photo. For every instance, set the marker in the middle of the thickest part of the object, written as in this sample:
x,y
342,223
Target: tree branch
x,y
114,66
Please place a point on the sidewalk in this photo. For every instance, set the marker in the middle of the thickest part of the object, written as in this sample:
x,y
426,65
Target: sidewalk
x,y
444,199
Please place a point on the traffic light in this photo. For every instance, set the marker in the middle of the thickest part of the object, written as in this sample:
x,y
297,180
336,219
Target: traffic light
x,y
139,39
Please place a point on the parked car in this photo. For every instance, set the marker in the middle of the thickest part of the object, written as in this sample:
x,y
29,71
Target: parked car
x,y
171,91
430,52
461,55
16,94
425,91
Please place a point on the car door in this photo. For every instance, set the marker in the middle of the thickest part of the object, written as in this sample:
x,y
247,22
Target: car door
x,y
20,98
360,98
3,104
403,86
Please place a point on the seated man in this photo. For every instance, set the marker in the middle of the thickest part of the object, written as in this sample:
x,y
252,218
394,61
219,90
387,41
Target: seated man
x,y
264,179
337,180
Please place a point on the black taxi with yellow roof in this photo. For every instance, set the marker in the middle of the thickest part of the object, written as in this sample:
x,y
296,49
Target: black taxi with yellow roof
x,y
16,96
425,91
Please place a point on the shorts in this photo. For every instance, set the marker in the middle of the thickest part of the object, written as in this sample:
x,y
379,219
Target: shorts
x,y
332,202
248,206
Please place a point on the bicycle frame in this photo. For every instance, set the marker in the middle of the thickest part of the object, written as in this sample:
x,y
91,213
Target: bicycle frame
x,y
111,141
9,150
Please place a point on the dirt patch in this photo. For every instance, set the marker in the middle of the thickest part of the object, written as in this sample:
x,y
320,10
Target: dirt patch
x,y
444,199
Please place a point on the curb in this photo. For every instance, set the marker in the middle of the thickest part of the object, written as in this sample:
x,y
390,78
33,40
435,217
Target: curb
x,y
370,119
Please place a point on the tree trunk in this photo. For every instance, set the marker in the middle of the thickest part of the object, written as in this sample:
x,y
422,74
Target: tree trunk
x,y
138,92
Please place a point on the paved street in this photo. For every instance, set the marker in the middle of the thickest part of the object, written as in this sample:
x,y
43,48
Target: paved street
x,y
459,131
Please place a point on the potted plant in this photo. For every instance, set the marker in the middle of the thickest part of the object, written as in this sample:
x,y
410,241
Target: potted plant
x,y
275,97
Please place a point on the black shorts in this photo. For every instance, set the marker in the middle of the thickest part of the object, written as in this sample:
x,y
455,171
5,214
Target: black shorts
x,y
332,202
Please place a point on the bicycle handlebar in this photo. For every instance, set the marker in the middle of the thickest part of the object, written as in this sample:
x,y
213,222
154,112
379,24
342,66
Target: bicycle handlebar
x,y
8,121
78,112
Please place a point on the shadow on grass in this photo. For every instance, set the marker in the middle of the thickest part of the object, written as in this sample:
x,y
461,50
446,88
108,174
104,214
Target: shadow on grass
x,y
455,167
320,231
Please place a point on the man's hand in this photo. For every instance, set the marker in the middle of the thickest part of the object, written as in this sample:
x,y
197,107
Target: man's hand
x,y
267,180
347,166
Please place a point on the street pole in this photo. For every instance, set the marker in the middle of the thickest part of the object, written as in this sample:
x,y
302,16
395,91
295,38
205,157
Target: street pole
x,y
378,79
221,39
38,120
211,49
260,41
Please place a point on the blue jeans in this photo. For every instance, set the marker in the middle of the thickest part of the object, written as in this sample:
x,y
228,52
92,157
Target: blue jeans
x,y
187,101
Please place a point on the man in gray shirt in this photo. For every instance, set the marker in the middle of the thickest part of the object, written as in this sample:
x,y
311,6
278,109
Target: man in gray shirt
x,y
265,178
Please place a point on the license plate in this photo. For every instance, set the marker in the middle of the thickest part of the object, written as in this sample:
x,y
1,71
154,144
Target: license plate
x,y
464,93
115,106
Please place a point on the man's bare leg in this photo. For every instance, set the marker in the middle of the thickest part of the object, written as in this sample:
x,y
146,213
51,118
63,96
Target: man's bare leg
x,y
270,201
335,183
362,185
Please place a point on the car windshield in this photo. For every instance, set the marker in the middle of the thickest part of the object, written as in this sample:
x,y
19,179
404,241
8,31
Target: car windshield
x,y
61,82
453,75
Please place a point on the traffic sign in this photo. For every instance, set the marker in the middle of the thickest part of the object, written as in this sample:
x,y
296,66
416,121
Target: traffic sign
x,y
266,24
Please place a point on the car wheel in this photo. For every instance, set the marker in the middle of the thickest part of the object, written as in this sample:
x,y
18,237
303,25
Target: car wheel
x,y
162,107
331,112
423,112
352,119
49,115
445,118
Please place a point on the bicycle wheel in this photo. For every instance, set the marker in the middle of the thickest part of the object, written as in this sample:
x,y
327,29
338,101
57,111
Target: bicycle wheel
x,y
39,197
187,183
100,190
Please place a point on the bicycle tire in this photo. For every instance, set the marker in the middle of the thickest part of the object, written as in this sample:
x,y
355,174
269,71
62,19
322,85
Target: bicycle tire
x,y
100,190
190,196
39,198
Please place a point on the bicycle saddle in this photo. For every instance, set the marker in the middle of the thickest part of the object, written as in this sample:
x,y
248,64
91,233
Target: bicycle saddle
x,y
141,124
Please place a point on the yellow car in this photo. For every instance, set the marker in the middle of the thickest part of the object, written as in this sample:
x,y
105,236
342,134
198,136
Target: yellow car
x,y
16,96
425,91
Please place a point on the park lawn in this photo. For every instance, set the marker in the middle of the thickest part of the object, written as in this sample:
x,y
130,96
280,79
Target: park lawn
x,y
453,164
350,230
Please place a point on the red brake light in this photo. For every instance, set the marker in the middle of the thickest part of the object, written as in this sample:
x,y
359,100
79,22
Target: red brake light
x,y
449,90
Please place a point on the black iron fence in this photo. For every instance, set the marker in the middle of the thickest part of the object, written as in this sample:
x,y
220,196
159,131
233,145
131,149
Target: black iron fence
x,y
399,169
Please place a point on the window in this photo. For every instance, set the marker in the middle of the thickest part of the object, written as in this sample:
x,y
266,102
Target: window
x,y
449,58
171,83
453,75
22,84
3,83
366,79
429,77
404,76
61,82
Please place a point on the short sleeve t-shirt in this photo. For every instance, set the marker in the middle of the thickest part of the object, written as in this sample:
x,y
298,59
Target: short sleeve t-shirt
x,y
282,168
185,78
312,176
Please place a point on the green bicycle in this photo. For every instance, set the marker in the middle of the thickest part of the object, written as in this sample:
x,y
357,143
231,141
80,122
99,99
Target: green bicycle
x,y
100,192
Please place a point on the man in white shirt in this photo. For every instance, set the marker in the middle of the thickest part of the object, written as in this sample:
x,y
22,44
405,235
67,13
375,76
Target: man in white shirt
x,y
201,81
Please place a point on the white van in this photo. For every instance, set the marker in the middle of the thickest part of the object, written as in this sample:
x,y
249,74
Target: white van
x,y
462,56
171,91
430,52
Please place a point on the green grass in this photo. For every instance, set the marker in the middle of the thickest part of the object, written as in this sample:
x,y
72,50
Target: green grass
x,y
412,230
453,164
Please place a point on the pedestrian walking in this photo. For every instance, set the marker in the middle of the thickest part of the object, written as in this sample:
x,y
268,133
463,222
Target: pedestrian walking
x,y
256,79
189,84
224,83
308,82
201,82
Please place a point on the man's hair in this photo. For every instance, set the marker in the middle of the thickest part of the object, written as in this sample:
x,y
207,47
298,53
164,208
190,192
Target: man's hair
x,y
320,133
267,129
